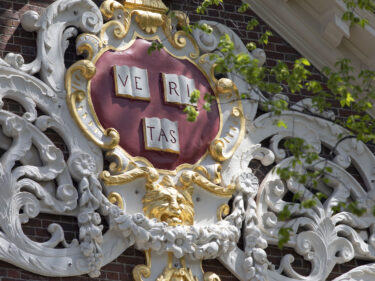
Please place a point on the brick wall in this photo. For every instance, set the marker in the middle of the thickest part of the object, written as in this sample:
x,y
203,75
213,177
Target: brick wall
x,y
14,39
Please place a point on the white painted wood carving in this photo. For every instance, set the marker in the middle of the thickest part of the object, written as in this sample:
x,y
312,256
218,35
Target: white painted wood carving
x,y
178,216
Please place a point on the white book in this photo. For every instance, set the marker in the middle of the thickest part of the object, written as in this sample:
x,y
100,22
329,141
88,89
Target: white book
x,y
178,89
161,134
131,82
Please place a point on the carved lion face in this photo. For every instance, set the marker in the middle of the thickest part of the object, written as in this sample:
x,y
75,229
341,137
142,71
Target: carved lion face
x,y
169,204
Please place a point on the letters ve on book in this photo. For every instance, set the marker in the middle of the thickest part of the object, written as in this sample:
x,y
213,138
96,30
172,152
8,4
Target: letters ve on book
x,y
131,82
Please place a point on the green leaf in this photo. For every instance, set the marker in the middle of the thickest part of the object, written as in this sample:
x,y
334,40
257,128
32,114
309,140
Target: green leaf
x,y
264,37
303,61
245,96
284,236
195,95
155,45
191,112
284,214
207,106
251,24
243,8
308,203
296,196
321,195
328,169
281,123
208,97
353,208
251,46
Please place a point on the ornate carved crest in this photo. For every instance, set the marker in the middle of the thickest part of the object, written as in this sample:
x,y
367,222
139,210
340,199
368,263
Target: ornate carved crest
x,y
129,101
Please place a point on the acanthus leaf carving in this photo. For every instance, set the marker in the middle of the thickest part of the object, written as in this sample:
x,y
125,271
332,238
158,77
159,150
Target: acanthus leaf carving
x,y
53,35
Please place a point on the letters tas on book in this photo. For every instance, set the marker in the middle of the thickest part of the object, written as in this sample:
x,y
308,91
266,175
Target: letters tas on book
x,y
161,134
132,82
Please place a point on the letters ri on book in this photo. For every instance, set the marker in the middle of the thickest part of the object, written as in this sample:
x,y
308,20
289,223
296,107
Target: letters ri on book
x,y
177,89
132,82
161,134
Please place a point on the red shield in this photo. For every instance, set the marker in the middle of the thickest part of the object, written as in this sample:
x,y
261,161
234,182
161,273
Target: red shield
x,y
126,115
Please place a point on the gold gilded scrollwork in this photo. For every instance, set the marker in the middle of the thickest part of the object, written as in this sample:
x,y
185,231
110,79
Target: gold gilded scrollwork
x,y
108,8
148,21
225,86
86,47
182,18
217,174
217,146
222,211
187,178
115,198
114,137
147,5
78,96
203,170
210,276
117,164
217,150
140,172
179,39
87,69
171,273
143,269
149,15
119,30
216,179
236,112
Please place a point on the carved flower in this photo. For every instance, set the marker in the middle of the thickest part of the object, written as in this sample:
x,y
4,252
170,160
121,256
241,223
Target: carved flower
x,y
179,241
96,218
260,255
87,248
252,238
81,165
247,183
138,218
114,211
13,126
83,217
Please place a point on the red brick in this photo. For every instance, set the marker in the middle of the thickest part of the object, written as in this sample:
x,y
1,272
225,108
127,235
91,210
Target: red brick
x,y
114,267
13,273
113,275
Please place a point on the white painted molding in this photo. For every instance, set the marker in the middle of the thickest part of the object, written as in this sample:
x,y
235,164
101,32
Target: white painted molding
x,y
315,29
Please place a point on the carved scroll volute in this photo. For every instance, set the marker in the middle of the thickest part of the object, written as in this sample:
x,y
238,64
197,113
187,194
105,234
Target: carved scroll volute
x,y
59,22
